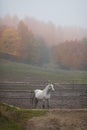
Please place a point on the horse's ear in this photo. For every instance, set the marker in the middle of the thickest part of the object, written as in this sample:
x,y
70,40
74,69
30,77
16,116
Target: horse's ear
x,y
50,82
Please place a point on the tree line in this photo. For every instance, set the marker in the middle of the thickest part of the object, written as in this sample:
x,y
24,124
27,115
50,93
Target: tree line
x,y
71,54
20,43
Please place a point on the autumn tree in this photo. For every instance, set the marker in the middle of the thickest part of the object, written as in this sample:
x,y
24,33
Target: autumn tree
x,y
71,54
10,42
84,47
2,28
44,52
29,45
26,38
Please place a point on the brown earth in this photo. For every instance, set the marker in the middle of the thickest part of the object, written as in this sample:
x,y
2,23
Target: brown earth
x,y
59,119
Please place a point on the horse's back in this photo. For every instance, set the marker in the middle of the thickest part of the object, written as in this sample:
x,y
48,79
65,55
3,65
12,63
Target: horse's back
x,y
38,94
37,91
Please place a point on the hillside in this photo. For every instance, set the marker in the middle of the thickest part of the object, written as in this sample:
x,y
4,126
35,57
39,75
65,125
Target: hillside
x,y
13,71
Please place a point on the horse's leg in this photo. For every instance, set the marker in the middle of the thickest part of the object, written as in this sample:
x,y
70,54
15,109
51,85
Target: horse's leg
x,y
33,99
36,102
43,104
48,103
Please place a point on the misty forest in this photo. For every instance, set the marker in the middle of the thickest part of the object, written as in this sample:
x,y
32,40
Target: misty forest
x,y
43,44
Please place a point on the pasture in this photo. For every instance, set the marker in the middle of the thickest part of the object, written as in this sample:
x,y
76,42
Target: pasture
x,y
19,72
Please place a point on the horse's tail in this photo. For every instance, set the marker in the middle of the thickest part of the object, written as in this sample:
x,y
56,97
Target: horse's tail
x,y
32,98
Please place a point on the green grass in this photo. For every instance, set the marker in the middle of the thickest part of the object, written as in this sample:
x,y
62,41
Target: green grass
x,y
12,71
6,124
14,118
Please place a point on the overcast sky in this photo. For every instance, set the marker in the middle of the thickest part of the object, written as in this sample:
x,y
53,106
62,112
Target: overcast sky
x,y
60,12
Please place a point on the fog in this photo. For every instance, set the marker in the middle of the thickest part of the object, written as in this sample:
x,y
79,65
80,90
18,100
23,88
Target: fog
x,y
59,12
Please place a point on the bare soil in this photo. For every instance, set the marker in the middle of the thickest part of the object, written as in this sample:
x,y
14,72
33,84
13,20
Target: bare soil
x,y
60,119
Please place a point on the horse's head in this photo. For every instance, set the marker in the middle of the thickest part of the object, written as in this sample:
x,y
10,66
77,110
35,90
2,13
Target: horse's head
x,y
51,87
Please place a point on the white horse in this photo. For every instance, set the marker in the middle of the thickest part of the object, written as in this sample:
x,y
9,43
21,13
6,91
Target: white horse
x,y
42,95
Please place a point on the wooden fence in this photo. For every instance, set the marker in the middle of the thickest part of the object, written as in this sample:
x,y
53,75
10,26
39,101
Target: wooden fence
x,y
65,95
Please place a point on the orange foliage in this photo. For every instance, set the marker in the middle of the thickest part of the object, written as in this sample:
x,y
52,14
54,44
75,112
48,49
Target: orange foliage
x,y
10,42
71,54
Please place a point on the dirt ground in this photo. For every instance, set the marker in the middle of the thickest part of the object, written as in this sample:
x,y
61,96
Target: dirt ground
x,y
59,119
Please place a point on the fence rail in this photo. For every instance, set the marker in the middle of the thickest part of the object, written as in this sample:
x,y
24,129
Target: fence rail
x,y
64,96
41,82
